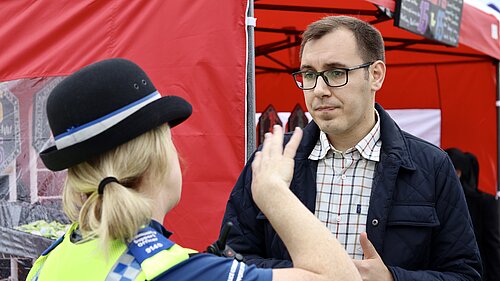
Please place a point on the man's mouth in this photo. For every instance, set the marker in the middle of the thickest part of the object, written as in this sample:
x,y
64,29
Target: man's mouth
x,y
325,108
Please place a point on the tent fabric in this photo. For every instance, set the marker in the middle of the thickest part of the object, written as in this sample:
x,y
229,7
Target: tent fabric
x,y
461,82
480,31
193,49
475,30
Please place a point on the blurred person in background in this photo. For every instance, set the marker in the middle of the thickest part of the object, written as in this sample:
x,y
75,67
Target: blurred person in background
x,y
483,209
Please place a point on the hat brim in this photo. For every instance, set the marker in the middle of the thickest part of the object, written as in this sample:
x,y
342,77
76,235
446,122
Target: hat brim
x,y
169,109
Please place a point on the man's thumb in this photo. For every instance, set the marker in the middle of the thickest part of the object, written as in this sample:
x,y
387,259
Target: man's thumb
x,y
369,250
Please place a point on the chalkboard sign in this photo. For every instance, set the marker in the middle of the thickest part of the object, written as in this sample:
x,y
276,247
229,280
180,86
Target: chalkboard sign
x,y
10,130
41,130
433,19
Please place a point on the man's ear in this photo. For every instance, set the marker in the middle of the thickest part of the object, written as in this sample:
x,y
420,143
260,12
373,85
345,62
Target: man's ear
x,y
378,75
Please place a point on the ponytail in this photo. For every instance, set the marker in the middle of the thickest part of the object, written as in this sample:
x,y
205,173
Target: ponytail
x,y
122,208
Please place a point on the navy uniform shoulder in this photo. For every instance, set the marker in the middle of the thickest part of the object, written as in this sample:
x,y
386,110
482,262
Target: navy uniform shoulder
x,y
53,246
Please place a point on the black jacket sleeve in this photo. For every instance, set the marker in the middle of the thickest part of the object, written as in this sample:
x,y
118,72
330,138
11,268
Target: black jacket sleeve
x,y
455,255
247,236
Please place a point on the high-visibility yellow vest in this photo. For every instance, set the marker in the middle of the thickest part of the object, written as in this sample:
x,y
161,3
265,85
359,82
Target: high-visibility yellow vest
x,y
146,257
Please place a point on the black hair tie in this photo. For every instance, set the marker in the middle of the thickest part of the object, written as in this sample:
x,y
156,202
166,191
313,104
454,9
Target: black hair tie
x,y
104,182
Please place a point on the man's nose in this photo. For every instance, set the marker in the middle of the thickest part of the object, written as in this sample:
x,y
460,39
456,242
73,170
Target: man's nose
x,y
321,89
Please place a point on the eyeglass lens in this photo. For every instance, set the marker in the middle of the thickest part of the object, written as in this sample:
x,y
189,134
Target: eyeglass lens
x,y
308,79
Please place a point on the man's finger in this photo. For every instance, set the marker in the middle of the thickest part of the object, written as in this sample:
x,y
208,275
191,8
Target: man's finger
x,y
368,249
360,266
256,160
293,144
277,141
266,150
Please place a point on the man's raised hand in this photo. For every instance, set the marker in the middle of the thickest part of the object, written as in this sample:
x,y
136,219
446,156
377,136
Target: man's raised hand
x,y
273,166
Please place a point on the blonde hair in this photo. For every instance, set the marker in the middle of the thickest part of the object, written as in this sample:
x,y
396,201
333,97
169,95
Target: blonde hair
x,y
122,209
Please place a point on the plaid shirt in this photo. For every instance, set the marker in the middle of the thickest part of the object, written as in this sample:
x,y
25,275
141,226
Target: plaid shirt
x,y
343,184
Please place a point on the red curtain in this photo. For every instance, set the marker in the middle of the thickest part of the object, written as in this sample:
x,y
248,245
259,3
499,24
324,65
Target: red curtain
x,y
193,49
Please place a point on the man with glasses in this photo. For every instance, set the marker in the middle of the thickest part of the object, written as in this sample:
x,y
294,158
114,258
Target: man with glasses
x,y
391,199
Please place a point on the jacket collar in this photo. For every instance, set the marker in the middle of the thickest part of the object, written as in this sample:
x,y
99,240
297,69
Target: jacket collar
x,y
393,141
159,227
308,142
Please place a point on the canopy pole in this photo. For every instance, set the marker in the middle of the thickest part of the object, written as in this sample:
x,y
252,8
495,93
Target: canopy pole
x,y
250,130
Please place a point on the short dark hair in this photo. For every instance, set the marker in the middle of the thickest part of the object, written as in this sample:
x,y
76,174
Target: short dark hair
x,y
368,39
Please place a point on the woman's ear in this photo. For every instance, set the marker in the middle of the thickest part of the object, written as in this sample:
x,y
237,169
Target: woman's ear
x,y
378,75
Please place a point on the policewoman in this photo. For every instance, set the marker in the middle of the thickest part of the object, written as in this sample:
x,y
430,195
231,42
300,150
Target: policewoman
x,y
112,133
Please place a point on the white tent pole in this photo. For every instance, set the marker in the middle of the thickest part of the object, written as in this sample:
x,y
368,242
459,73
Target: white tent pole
x,y
250,110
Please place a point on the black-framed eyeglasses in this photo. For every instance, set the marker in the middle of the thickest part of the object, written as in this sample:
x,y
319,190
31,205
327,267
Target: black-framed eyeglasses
x,y
334,77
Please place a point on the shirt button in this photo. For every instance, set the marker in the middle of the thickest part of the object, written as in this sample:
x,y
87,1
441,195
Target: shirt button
x,y
339,218
375,222
344,176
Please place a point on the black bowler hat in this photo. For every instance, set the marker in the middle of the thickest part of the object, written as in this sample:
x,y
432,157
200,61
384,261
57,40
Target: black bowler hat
x,y
103,105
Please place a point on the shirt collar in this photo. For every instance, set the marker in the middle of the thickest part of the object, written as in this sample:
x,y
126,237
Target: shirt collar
x,y
321,148
368,147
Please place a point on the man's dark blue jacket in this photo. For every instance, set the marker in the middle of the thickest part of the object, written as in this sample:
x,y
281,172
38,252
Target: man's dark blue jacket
x,y
417,220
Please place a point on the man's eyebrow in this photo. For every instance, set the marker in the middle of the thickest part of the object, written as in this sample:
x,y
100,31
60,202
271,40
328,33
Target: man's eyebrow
x,y
334,65
306,67
325,66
